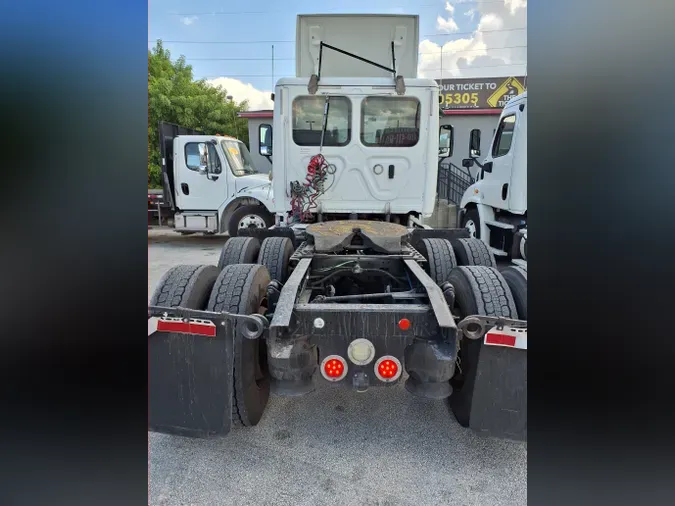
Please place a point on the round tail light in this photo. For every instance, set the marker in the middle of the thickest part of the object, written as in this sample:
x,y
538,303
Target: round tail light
x,y
334,368
388,369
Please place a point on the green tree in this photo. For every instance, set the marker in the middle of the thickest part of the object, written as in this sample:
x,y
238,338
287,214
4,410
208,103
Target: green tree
x,y
174,96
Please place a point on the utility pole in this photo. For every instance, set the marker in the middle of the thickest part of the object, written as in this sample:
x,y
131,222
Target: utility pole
x,y
272,67
234,114
441,61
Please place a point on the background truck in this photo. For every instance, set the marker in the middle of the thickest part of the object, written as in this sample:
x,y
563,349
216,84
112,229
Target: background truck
x,y
494,208
349,288
210,183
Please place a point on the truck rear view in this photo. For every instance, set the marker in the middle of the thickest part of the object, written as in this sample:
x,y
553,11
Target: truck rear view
x,y
367,296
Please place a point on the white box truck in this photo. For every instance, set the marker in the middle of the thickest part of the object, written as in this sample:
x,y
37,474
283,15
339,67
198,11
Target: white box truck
x,y
211,184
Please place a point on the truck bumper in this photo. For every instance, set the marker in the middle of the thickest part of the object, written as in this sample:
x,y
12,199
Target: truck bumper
x,y
426,352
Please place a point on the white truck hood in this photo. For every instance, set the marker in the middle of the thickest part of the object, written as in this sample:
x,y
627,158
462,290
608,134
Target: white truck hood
x,y
257,186
251,181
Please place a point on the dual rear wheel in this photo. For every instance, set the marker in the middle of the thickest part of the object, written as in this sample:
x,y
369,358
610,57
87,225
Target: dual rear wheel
x,y
480,289
237,285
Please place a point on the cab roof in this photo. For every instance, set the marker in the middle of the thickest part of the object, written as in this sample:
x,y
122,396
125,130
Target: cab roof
x,y
417,82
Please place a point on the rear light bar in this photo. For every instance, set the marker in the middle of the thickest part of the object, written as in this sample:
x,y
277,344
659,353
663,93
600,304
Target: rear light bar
x,y
178,325
509,338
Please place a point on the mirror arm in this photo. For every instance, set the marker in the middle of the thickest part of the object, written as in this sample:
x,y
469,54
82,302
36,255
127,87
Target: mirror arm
x,y
475,160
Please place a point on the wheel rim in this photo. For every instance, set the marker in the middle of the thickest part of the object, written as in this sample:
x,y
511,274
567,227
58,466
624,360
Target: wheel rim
x,y
470,225
252,221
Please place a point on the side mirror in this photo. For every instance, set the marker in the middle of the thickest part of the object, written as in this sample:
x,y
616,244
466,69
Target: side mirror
x,y
467,163
474,143
265,140
445,141
203,167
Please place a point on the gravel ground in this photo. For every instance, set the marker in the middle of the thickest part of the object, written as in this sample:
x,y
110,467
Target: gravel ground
x,y
334,446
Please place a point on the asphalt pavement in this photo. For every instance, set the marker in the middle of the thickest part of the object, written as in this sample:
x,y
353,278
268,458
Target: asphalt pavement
x,y
333,446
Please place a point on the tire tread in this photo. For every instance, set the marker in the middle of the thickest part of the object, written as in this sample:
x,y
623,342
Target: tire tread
x,y
441,258
231,294
472,251
274,254
239,250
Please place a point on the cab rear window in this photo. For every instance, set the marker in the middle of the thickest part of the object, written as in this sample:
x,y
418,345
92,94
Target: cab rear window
x,y
390,121
308,121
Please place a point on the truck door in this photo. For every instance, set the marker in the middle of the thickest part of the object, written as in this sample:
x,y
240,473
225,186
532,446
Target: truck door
x,y
201,182
499,161
167,133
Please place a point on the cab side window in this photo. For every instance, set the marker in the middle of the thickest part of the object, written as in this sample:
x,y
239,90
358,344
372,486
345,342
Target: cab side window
x,y
502,144
195,156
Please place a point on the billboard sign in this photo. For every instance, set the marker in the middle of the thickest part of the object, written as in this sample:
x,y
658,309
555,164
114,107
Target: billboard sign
x,y
478,93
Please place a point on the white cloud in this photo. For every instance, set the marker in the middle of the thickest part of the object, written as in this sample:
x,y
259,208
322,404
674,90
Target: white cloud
x,y
188,20
446,25
514,5
488,52
490,22
244,91
471,13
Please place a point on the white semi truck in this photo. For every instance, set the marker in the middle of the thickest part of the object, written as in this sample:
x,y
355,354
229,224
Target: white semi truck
x,y
494,208
210,183
349,288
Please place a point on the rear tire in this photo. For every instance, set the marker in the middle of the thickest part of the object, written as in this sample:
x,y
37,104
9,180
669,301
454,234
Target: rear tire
x,y
241,289
239,250
275,254
187,286
473,251
440,258
516,278
254,216
479,290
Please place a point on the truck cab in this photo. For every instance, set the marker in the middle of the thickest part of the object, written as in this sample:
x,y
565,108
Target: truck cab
x,y
360,140
494,208
211,183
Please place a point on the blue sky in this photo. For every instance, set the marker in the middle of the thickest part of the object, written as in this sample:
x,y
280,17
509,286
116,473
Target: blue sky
x,y
480,38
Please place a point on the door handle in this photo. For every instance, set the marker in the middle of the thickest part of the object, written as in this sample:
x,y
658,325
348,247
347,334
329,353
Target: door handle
x,y
185,188
391,172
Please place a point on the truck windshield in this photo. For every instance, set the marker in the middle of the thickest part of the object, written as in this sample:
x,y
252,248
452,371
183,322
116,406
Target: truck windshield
x,y
238,157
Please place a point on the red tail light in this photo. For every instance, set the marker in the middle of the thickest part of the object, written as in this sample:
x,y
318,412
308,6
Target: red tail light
x,y
334,368
388,369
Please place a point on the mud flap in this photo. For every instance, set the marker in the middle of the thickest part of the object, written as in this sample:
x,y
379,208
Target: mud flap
x,y
190,383
499,401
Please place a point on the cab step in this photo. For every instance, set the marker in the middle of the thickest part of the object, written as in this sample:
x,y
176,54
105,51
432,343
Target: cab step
x,y
500,224
498,253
